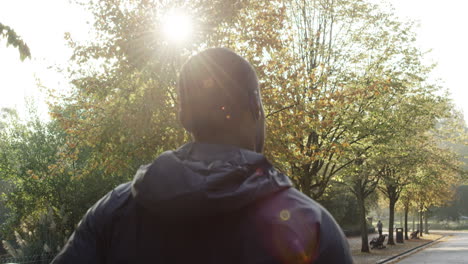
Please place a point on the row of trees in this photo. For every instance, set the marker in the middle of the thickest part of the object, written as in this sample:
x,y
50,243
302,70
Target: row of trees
x,y
347,99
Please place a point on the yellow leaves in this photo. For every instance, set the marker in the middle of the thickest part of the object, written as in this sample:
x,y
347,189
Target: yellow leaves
x,y
32,175
132,98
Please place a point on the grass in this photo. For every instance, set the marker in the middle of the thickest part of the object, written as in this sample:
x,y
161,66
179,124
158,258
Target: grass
x,y
449,225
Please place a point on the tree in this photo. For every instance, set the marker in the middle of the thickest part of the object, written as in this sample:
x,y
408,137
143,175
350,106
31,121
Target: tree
x,y
351,62
406,198
15,40
436,180
445,163
28,149
121,112
415,114
362,183
397,171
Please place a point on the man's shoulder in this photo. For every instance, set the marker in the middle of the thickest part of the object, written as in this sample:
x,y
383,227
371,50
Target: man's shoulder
x,y
111,203
114,199
296,220
292,201
290,209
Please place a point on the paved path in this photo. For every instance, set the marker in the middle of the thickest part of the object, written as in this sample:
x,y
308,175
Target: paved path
x,y
452,249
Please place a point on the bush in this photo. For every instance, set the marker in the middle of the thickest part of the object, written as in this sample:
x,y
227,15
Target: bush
x,y
343,206
39,238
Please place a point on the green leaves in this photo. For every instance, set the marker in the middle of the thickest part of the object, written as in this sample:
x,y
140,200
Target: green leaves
x,y
343,85
14,40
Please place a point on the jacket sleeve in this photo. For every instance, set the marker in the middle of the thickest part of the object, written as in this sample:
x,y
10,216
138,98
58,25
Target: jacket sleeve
x,y
87,243
334,247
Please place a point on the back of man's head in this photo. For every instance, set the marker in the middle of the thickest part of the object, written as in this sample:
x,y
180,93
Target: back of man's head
x,y
217,89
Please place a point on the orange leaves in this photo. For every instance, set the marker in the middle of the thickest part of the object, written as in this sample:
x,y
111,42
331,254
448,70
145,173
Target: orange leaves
x,y
32,175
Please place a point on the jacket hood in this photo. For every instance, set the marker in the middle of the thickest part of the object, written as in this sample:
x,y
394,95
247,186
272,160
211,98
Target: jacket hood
x,y
200,180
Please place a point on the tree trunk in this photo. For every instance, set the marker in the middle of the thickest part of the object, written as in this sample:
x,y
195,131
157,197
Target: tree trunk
x,y
306,182
421,223
426,225
391,222
363,221
406,221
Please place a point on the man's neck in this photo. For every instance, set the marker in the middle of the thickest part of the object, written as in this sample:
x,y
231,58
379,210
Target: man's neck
x,y
225,141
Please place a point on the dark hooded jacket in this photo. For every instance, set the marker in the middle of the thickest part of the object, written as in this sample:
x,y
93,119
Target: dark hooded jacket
x,y
207,203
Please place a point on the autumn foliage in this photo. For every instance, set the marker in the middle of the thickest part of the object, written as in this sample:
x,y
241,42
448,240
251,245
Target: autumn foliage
x,y
345,90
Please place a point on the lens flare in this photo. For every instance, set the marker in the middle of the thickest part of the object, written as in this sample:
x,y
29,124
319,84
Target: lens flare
x,y
177,26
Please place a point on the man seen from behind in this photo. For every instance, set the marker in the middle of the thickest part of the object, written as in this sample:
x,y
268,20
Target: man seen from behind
x,y
216,199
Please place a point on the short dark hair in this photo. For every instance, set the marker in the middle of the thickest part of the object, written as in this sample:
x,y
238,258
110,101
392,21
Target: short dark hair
x,y
215,86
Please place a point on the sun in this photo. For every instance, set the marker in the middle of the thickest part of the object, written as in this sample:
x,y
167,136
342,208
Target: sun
x,y
177,26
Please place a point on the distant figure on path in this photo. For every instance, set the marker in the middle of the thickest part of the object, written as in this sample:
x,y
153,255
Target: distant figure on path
x,y
216,199
379,227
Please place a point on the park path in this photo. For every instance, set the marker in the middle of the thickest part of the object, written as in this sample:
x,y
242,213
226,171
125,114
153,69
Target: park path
x,y
451,249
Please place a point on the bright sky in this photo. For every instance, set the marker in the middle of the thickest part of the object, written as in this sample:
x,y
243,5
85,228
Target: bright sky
x,y
42,25
442,29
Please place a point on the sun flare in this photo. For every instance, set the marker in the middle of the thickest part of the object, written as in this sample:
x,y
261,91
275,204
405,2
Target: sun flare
x,y
177,26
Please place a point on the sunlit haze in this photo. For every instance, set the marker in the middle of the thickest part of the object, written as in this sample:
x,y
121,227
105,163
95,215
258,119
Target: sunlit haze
x,y
42,25
442,31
